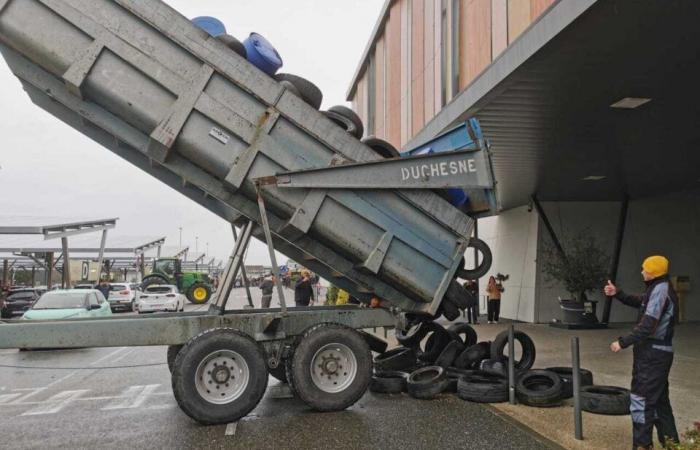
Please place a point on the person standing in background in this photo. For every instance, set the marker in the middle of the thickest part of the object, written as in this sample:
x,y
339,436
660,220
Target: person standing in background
x,y
266,287
472,301
303,290
494,290
104,287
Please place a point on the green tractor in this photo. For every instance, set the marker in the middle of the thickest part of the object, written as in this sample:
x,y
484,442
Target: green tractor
x,y
195,286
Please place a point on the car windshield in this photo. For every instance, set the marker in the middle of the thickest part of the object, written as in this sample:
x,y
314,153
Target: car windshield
x,y
61,300
118,287
159,289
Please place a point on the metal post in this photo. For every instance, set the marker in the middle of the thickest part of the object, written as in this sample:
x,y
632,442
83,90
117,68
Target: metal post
x,y
158,252
33,276
101,255
244,276
5,271
612,274
548,225
271,248
511,364
142,265
231,270
49,269
66,263
576,368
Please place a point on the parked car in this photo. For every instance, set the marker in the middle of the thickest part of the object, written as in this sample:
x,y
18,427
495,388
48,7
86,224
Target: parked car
x,y
160,297
18,301
69,304
84,286
123,297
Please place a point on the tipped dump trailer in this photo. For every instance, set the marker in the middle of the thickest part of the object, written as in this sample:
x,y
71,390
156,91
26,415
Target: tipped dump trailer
x,y
141,80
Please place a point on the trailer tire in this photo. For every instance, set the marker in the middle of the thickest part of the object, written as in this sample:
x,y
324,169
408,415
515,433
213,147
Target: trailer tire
x,y
527,360
607,400
331,367
567,378
539,388
393,382
199,366
308,91
199,293
436,342
173,350
449,354
470,337
401,358
427,383
482,388
486,261
381,147
473,355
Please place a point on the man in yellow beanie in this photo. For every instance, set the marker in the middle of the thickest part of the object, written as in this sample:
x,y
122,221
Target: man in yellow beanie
x,y
652,339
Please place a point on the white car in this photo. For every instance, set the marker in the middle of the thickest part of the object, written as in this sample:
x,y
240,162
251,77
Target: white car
x,y
122,296
160,297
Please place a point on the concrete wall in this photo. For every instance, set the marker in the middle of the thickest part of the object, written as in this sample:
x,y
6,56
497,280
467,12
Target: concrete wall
x,y
512,237
666,225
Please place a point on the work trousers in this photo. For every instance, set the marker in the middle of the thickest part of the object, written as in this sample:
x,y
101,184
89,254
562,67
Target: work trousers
x,y
494,309
266,299
473,313
649,402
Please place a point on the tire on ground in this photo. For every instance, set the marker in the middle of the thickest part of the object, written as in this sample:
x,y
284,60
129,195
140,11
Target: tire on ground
x,y
463,328
567,379
197,389
194,289
376,344
401,358
393,382
453,375
608,400
381,147
482,388
413,336
331,367
486,261
495,367
436,342
427,383
473,355
173,350
527,359
308,91
449,354
539,388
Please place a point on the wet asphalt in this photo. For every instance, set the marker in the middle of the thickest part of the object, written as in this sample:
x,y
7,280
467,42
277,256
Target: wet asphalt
x,y
78,403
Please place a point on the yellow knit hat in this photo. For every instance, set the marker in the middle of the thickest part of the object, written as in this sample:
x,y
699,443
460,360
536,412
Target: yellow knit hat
x,y
655,266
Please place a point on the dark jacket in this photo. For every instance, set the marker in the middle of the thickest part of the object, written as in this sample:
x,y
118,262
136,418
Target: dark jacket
x,y
303,292
266,287
658,307
104,289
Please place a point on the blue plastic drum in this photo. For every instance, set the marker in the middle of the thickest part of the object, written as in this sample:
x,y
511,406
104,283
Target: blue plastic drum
x,y
262,54
211,25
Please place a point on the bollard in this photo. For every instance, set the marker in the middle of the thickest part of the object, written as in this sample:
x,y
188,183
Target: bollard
x,y
576,378
511,364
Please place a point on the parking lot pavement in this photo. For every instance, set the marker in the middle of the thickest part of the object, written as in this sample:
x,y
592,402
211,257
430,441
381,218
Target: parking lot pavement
x,y
68,399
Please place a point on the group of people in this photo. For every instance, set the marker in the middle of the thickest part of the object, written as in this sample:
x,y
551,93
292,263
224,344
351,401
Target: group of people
x,y
303,290
494,289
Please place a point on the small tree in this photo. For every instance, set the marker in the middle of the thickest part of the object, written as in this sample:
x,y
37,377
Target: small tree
x,y
584,267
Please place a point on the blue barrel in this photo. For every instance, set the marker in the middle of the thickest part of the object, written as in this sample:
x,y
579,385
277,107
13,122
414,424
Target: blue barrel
x,y
211,25
262,54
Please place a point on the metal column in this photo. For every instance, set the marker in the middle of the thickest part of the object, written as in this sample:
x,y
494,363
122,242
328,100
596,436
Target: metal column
x,y
101,255
244,276
271,248
612,273
511,364
66,263
231,270
548,225
33,276
576,381
49,269
5,271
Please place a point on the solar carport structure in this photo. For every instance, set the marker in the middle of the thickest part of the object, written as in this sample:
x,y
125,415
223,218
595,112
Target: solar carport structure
x,y
592,115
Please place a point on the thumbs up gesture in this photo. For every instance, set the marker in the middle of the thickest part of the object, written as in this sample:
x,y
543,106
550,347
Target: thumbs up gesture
x,y
610,289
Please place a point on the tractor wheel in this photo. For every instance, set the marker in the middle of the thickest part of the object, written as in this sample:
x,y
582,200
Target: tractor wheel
x,y
199,293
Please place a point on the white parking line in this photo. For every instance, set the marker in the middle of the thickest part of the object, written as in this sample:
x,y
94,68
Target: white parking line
x,y
56,403
133,397
231,429
7,398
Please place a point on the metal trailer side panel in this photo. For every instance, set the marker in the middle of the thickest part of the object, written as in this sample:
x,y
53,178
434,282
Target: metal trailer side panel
x,y
167,92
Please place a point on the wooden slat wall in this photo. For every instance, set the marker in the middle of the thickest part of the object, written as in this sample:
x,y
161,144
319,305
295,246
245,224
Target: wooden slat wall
x,y
475,40
393,70
499,27
518,18
417,65
429,59
538,7
380,85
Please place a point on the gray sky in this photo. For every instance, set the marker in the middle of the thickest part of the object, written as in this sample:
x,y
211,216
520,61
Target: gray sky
x,y
48,169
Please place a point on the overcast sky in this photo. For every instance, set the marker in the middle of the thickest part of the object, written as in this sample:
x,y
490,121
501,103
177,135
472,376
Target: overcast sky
x,y
48,169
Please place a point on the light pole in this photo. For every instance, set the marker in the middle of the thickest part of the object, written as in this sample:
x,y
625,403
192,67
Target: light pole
x,y
196,245
207,249
180,241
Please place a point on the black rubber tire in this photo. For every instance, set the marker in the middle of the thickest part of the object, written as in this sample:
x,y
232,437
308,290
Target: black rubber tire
x,y
308,91
458,294
463,328
344,123
234,44
436,342
427,383
486,261
189,358
482,388
472,356
381,147
566,375
393,382
290,87
607,400
413,336
376,344
190,293
152,280
453,375
539,388
352,117
449,354
448,309
173,350
299,374
527,359
400,358
495,367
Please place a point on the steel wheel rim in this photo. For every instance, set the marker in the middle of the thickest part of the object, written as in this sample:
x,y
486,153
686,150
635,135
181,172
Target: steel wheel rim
x,y
221,377
200,293
333,368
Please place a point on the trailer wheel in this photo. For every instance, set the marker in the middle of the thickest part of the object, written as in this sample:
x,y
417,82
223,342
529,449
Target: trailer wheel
x,y
217,376
331,367
173,350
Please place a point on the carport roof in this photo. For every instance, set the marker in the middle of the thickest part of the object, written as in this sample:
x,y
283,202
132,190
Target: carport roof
x,y
51,227
545,103
78,244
